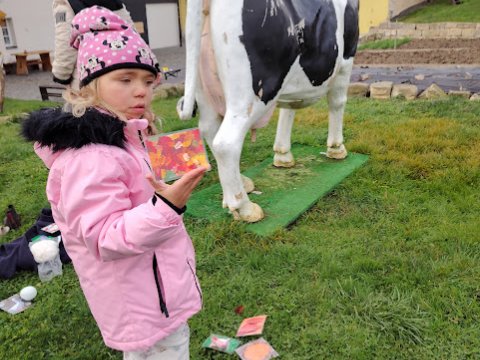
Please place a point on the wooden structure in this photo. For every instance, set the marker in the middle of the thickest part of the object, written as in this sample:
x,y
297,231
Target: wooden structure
x,y
23,62
51,91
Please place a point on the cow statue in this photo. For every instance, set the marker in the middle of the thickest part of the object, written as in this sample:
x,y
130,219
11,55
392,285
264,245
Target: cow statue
x,y
244,57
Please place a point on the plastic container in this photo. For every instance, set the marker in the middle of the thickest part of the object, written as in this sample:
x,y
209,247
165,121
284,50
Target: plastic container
x,y
49,269
46,253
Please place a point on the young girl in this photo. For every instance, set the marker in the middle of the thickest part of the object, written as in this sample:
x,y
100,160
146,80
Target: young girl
x,y
123,231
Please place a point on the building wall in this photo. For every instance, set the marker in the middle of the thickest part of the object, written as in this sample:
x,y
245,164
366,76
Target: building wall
x,y
138,11
183,14
138,14
34,29
163,24
372,13
399,6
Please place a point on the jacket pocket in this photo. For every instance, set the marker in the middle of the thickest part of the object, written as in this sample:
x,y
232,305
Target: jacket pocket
x,y
156,272
195,279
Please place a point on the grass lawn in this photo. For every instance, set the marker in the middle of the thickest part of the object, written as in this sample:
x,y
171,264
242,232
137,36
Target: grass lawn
x,y
13,107
444,11
387,266
383,44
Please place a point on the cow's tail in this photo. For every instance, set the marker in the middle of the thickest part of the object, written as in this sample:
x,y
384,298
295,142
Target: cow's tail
x,y
193,34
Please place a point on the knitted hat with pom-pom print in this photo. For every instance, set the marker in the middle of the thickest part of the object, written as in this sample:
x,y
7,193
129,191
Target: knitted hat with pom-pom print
x,y
105,42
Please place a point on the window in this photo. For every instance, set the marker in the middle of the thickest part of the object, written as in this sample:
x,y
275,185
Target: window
x,y
7,32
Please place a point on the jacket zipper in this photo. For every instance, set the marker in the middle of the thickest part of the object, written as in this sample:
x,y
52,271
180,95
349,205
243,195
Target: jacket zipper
x,y
163,306
195,279
140,136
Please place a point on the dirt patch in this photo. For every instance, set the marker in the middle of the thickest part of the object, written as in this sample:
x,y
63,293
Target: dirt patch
x,y
425,51
442,44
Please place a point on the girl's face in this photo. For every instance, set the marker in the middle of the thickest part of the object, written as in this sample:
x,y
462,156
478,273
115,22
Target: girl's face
x,y
127,91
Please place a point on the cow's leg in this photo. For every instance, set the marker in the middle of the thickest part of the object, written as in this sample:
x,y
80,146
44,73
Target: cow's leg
x,y
283,156
227,148
209,123
337,98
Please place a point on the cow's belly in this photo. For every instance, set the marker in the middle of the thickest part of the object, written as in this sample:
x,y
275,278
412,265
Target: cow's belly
x,y
298,92
298,101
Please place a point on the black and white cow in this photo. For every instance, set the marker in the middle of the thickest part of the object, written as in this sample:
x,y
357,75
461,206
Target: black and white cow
x,y
266,53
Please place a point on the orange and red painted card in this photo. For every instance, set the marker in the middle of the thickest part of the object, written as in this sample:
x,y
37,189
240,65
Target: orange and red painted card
x,y
173,154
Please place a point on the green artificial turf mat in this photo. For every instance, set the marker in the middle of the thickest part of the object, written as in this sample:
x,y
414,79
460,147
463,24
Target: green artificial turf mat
x,y
285,193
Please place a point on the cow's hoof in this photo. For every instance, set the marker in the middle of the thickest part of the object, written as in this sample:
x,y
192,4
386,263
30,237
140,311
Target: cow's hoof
x,y
248,184
249,212
338,152
235,214
284,160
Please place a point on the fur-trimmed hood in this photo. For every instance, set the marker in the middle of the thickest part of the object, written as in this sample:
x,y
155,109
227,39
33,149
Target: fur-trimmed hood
x,y
59,130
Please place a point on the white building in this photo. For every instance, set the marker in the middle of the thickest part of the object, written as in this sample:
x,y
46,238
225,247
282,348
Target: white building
x,y
27,25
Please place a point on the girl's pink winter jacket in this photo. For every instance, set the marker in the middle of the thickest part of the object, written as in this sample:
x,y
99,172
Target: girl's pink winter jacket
x,y
133,256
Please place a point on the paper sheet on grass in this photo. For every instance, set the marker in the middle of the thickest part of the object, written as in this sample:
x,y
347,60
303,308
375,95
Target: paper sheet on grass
x,y
14,304
252,326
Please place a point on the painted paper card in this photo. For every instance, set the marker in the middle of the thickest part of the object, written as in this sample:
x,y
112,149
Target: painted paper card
x,y
173,154
252,326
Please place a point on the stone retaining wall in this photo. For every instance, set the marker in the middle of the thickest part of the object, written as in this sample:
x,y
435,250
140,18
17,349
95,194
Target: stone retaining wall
x,y
447,30
376,90
384,90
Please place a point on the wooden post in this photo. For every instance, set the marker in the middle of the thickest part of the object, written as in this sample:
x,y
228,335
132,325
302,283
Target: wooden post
x,y
45,59
22,68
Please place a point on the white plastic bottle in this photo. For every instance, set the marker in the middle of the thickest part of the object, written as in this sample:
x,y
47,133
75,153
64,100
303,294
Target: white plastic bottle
x,y
46,253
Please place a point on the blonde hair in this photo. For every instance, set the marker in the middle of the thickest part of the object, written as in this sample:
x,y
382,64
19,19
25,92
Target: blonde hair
x,y
78,101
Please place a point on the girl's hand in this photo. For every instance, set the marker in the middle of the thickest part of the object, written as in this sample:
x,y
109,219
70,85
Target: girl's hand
x,y
179,192
158,186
